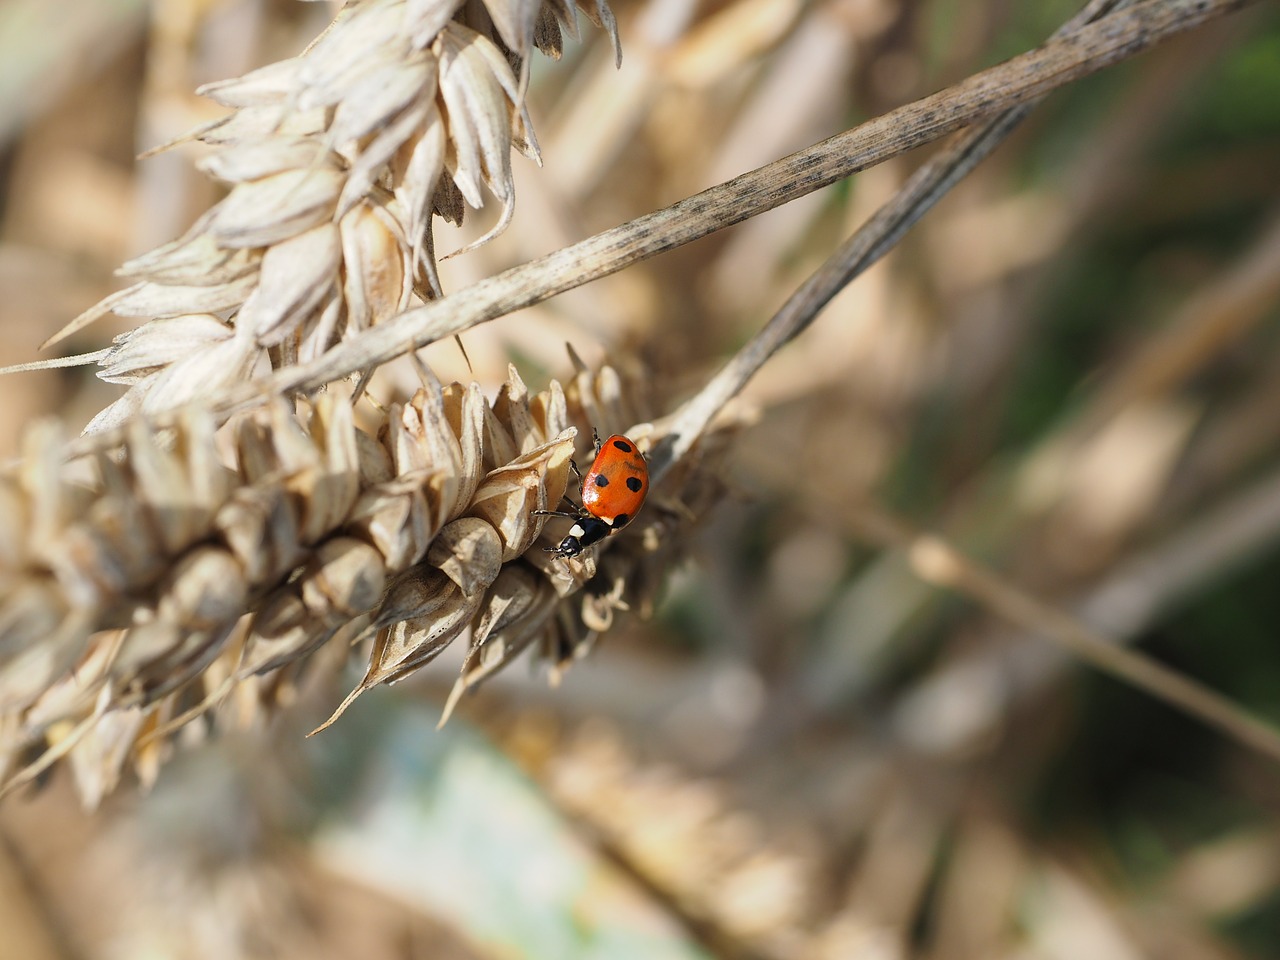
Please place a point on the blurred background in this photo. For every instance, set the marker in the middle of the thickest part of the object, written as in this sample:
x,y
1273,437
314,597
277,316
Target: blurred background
x,y
1070,369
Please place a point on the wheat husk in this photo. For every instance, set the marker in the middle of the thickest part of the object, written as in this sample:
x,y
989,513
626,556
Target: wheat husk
x,y
196,561
336,162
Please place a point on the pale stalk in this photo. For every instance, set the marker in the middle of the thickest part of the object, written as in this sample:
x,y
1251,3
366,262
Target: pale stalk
x,y
1020,80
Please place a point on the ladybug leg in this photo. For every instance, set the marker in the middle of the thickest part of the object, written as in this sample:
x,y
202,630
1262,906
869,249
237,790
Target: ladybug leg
x,y
595,438
572,506
576,472
556,513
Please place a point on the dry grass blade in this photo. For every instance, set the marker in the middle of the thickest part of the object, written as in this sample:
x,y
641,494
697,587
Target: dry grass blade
x,y
1020,80
1024,78
935,561
1114,611
1217,317
940,564
868,244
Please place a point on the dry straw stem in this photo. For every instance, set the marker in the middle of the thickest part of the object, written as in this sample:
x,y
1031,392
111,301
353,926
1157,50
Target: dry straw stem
x,y
933,559
868,244
1115,610
1024,78
1218,315
941,564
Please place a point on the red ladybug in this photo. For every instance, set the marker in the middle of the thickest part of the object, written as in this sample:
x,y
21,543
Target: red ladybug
x,y
613,492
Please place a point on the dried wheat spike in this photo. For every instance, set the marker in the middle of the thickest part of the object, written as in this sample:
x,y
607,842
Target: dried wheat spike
x,y
337,161
203,571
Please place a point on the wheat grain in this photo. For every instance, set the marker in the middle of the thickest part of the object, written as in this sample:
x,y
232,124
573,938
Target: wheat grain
x,y
337,161
137,601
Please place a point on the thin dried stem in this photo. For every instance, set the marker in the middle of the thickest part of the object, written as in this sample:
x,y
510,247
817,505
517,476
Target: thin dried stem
x,y
1118,608
868,244
938,562
1221,313
933,559
1024,78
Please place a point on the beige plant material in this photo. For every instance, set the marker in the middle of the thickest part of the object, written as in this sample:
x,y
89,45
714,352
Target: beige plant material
x,y
336,160
990,102
178,583
138,601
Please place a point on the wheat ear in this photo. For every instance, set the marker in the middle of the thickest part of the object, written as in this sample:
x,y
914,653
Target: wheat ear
x,y
337,162
171,583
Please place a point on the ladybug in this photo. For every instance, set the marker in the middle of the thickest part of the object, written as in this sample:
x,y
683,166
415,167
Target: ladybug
x,y
613,492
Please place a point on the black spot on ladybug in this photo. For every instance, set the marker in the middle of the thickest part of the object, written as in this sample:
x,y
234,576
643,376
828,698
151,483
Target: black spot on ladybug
x,y
602,481
621,520
634,484
622,445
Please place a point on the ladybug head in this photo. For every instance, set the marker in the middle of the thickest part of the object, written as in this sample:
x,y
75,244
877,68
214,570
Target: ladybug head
x,y
584,533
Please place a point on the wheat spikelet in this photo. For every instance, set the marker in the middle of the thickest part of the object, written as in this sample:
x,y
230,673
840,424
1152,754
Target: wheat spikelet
x,y
138,600
337,160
